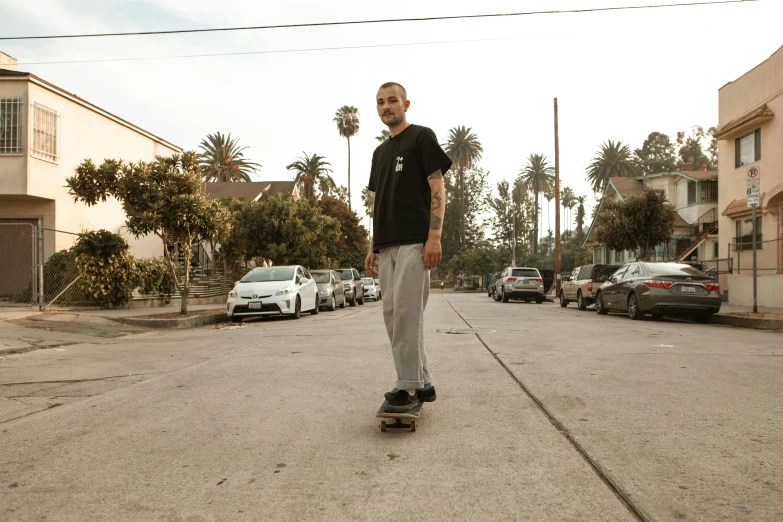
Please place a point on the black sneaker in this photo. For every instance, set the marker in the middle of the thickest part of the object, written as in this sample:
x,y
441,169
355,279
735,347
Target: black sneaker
x,y
402,402
427,395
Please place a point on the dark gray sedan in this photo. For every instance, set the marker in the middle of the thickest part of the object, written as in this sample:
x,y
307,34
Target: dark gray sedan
x,y
331,290
659,289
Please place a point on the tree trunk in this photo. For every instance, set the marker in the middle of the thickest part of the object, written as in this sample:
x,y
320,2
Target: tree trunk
x,y
169,260
349,173
187,251
535,218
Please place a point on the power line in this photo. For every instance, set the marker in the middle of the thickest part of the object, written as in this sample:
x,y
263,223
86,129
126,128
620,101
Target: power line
x,y
381,21
282,51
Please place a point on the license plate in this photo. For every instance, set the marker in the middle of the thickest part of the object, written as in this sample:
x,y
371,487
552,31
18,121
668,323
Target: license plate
x,y
254,305
688,289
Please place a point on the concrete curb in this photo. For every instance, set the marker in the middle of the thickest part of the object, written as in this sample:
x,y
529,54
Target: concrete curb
x,y
187,322
747,322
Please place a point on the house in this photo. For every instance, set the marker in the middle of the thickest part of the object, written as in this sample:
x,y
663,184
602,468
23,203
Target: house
x,y
750,135
45,133
694,194
250,190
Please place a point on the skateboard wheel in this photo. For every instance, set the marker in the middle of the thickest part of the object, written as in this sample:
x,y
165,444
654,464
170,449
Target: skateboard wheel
x,y
383,425
413,425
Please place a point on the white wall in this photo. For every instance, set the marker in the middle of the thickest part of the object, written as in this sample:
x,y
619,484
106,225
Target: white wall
x,y
769,288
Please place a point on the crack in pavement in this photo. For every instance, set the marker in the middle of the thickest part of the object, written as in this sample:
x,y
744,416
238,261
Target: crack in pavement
x,y
605,478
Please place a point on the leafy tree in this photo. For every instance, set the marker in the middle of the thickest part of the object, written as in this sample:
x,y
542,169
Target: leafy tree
x,y
222,159
580,214
347,120
614,159
342,194
637,223
464,149
162,197
312,170
283,231
351,248
383,136
691,146
656,155
537,178
511,215
480,260
474,198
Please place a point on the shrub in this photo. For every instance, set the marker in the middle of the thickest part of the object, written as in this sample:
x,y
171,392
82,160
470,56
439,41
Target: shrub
x,y
101,244
154,277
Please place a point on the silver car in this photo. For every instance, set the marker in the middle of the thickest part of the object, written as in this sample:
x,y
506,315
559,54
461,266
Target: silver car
x,y
371,290
659,289
519,283
331,289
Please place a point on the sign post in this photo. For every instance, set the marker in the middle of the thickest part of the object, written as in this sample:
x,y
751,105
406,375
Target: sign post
x,y
753,184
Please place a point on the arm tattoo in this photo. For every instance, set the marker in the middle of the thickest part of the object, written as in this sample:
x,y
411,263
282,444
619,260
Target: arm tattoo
x,y
436,175
436,201
436,222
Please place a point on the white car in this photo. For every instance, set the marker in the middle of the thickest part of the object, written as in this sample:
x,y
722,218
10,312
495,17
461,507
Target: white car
x,y
371,291
279,290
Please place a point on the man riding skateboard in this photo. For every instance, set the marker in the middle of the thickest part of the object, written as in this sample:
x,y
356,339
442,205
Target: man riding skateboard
x,y
410,202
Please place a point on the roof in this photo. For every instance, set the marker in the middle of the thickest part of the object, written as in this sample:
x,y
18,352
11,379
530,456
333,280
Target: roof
x,y
627,186
758,115
248,190
740,206
693,175
11,75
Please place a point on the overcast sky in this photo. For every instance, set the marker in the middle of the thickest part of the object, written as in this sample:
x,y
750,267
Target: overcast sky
x,y
617,75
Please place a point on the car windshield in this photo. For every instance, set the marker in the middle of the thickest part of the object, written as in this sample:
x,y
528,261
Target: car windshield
x,y
269,274
603,273
678,269
368,281
524,272
321,277
346,275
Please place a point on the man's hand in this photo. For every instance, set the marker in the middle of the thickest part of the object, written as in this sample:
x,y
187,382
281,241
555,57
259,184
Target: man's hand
x,y
370,261
433,254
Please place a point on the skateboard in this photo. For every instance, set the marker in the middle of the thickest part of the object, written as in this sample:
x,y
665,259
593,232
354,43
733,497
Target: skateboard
x,y
411,415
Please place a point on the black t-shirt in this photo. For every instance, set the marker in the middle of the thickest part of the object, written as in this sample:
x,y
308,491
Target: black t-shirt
x,y
400,167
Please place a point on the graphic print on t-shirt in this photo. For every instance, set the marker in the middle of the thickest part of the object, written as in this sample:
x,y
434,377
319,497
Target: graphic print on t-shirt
x,y
398,168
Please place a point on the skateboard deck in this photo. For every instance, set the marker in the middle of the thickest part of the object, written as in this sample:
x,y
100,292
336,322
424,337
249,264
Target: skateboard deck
x,y
411,415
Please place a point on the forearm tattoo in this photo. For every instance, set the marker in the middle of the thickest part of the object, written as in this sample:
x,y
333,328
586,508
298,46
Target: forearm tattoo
x,y
436,222
437,200
436,175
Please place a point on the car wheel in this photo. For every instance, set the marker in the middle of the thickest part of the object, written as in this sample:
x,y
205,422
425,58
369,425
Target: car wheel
x,y
599,304
702,318
342,305
505,297
360,300
539,300
352,302
633,308
236,319
380,296
317,307
297,309
563,302
333,304
580,302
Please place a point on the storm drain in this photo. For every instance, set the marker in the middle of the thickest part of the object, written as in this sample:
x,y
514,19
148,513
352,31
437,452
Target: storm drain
x,y
466,331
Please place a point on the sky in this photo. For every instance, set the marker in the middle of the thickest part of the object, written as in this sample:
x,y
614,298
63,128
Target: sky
x,y
617,75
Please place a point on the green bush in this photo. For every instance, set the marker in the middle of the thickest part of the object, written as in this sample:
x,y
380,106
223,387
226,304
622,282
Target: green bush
x,y
110,281
154,277
101,244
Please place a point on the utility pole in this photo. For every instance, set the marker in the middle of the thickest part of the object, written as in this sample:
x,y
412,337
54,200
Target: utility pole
x,y
557,205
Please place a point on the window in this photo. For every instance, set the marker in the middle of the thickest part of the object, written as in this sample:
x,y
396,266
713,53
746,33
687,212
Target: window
x,y
635,270
10,126
709,191
715,251
744,237
747,149
46,127
691,192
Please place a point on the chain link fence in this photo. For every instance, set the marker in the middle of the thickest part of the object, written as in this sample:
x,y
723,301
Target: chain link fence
x,y
62,283
18,264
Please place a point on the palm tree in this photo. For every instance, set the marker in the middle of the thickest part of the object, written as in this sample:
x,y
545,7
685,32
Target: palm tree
x,y
312,170
464,149
614,159
537,178
580,213
347,120
383,136
567,201
222,159
549,195
368,200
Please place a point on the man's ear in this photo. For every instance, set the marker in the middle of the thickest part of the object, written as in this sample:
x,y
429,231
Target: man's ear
x,y
407,104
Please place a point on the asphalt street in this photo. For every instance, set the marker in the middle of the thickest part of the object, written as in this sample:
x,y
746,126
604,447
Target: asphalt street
x,y
543,413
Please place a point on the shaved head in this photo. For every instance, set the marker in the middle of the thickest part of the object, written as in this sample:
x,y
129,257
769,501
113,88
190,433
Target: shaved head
x,y
402,90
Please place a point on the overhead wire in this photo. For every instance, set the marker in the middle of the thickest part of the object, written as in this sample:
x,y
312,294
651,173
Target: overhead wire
x,y
379,21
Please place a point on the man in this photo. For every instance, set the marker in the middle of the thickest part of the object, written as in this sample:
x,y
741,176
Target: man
x,y
410,202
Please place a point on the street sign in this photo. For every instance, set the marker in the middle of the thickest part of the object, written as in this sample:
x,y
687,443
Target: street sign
x,y
753,196
753,177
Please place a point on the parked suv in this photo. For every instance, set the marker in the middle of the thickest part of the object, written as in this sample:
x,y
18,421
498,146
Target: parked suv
x,y
519,283
583,284
354,289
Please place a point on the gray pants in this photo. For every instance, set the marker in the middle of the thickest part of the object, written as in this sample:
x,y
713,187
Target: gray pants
x,y
406,287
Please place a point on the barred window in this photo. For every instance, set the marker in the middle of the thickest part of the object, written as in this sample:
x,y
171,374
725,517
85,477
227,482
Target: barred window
x,y
10,126
46,128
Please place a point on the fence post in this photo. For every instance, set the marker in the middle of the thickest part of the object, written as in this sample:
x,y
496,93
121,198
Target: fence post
x,y
40,266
